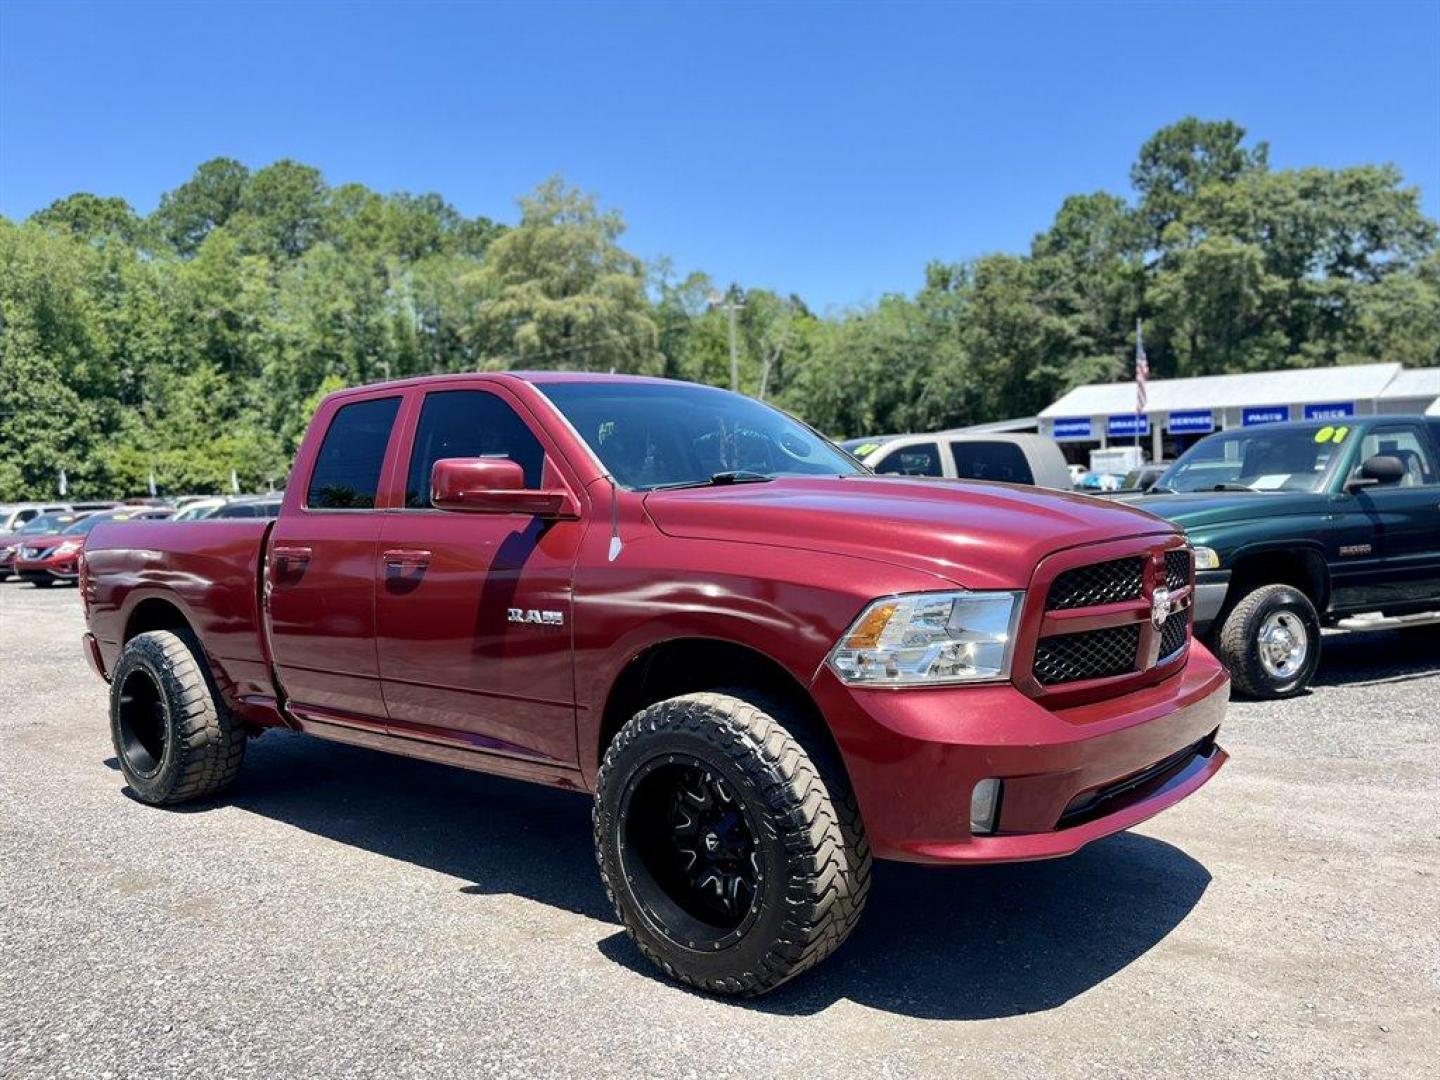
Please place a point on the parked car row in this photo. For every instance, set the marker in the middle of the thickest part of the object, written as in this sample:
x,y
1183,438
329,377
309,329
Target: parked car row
x,y
15,515
46,549
42,541
241,506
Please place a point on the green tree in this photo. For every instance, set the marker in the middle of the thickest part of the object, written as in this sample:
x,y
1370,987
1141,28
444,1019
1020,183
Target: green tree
x,y
282,210
210,198
1179,160
566,294
94,218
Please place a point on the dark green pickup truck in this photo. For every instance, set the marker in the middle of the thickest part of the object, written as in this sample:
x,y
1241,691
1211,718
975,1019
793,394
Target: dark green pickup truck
x,y
1299,525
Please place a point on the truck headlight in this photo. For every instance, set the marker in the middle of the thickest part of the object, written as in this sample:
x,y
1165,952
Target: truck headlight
x,y
926,639
1206,559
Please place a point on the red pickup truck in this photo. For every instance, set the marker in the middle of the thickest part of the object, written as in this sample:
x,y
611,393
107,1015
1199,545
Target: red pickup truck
x,y
765,662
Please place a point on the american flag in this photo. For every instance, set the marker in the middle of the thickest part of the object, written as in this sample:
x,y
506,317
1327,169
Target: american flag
x,y
1142,368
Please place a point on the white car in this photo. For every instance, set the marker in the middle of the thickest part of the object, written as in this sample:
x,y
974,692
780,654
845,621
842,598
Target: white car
x,y
1014,459
196,509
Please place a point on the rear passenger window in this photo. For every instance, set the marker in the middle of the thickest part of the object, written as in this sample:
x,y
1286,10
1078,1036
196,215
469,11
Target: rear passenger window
x,y
347,469
468,424
922,459
992,461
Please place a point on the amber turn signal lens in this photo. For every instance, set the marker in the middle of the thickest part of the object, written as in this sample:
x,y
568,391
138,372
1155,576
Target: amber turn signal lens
x,y
866,633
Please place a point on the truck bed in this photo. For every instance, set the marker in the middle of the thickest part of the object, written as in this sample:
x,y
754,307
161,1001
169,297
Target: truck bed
x,y
141,573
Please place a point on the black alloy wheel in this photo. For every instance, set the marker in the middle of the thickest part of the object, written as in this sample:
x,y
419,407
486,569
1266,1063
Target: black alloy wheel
x,y
141,723
696,863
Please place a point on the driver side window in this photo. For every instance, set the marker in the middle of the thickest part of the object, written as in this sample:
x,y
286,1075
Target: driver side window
x,y
468,424
1406,445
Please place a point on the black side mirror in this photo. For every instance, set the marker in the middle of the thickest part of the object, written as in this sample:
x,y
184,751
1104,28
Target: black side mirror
x,y
1377,470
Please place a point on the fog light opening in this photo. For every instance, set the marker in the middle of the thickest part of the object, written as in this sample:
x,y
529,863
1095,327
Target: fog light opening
x,y
985,806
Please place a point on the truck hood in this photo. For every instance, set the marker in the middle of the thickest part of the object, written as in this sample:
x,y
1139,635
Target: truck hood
x,y
980,535
1203,509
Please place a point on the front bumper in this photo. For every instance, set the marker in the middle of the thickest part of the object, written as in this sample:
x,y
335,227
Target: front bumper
x,y
1210,589
1070,775
65,568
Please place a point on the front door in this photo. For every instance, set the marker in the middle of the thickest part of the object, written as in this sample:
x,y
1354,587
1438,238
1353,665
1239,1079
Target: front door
x,y
1406,513
474,610
319,581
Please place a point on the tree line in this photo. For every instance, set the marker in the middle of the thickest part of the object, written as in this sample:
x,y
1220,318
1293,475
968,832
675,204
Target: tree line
x,y
197,340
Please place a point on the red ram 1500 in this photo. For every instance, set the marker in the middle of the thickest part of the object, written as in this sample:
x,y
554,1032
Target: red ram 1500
x,y
764,661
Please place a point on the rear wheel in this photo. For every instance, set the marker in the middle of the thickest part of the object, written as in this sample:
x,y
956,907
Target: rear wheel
x,y
1270,641
174,738
733,860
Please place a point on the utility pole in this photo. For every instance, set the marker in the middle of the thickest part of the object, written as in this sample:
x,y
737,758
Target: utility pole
x,y
730,305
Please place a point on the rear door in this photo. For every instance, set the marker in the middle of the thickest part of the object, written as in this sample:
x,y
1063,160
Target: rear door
x,y
319,585
474,610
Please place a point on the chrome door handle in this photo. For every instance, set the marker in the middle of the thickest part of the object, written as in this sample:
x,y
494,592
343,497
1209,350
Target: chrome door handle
x,y
291,554
406,557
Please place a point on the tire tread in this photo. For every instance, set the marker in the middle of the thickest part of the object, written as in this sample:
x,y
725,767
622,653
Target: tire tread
x,y
1234,641
208,741
830,856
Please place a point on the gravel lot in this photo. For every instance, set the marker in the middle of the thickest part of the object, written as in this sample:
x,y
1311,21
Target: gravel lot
x,y
347,913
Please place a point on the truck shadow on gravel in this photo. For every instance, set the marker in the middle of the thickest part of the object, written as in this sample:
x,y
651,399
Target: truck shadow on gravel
x,y
993,941
502,836
937,943
1379,656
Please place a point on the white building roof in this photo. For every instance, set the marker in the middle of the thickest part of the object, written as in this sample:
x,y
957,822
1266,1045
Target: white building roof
x,y
1360,382
1414,383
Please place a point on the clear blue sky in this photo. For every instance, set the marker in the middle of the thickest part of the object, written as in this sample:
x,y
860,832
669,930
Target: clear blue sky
x,y
826,149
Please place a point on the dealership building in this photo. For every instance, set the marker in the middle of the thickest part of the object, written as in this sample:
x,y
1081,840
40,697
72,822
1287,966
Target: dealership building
x,y
1180,411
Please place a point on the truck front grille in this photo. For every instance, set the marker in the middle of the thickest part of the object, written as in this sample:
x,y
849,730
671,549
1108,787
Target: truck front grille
x,y
1177,569
1114,619
1100,583
1174,633
1094,654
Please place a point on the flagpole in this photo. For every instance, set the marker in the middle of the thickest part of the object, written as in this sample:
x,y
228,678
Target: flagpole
x,y
1139,379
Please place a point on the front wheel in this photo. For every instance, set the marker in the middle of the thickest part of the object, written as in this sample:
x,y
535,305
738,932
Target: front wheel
x,y
1271,642
733,860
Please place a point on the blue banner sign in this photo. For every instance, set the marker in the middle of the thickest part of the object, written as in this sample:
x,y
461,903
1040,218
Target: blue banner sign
x,y
1191,422
1072,427
1120,426
1335,410
1265,414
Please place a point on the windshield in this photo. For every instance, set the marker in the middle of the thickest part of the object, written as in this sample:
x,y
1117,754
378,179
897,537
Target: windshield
x,y
1260,459
651,435
85,524
46,523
